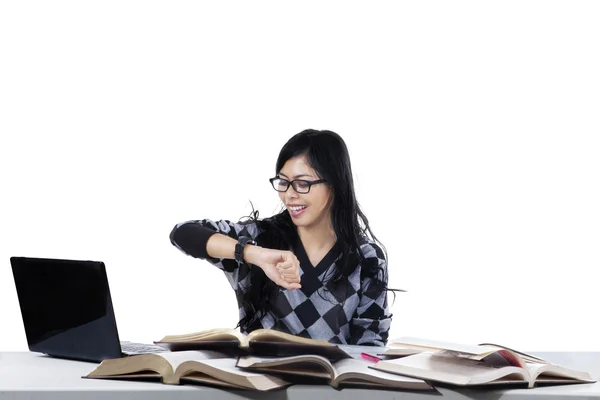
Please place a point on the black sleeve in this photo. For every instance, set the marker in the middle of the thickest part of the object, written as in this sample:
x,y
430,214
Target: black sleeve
x,y
191,238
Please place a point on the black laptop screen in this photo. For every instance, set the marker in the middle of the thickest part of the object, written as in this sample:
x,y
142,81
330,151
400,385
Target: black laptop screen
x,y
66,307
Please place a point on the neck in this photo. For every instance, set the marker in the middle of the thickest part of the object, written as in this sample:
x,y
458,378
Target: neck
x,y
318,236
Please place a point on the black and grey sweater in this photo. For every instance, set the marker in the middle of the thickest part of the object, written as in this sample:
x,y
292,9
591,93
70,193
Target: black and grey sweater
x,y
354,311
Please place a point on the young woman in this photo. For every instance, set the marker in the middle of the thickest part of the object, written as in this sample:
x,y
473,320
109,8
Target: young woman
x,y
311,270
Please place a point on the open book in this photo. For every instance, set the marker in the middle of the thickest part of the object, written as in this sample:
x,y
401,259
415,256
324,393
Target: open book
x,y
412,345
195,367
342,373
264,342
469,365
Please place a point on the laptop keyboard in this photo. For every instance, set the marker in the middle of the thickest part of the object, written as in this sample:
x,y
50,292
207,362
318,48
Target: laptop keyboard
x,y
140,348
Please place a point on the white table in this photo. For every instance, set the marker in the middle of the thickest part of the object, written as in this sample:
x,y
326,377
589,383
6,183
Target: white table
x,y
31,376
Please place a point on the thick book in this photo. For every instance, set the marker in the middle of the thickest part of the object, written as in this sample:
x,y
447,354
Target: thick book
x,y
348,372
464,367
192,367
263,342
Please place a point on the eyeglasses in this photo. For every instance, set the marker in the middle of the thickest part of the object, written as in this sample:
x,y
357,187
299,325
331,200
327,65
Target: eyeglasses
x,y
299,185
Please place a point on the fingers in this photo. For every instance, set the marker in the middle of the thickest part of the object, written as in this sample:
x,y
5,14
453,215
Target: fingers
x,y
289,286
288,267
290,261
288,256
289,270
289,275
291,279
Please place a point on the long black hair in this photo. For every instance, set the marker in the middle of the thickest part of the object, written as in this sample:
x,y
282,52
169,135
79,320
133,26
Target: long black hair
x,y
327,154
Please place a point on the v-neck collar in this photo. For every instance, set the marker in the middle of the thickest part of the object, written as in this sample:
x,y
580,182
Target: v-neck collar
x,y
326,261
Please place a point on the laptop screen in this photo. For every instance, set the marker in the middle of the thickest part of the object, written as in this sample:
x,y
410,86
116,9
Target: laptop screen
x,y
66,308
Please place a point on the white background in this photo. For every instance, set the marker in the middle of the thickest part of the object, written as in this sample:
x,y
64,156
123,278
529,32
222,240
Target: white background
x,y
472,126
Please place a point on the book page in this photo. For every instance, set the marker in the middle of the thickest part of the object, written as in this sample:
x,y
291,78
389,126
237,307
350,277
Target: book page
x,y
402,351
526,357
476,350
225,369
555,373
352,369
175,358
208,335
271,335
229,365
293,364
450,369
143,363
504,358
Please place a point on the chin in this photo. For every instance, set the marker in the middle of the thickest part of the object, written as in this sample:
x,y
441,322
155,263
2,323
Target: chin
x,y
302,223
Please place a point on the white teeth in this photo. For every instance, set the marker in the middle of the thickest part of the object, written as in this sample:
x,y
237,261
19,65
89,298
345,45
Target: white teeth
x,y
297,208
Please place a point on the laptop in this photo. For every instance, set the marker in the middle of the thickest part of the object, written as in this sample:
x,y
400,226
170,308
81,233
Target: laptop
x,y
67,310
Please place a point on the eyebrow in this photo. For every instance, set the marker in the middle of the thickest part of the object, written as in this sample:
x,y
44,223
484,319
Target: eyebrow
x,y
297,176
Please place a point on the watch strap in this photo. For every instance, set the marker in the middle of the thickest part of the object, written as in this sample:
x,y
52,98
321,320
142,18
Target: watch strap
x,y
239,247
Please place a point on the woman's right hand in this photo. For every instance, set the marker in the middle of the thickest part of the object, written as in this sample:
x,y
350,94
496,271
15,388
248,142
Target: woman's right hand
x,y
280,266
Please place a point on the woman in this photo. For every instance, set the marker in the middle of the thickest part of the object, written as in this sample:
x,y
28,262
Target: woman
x,y
311,270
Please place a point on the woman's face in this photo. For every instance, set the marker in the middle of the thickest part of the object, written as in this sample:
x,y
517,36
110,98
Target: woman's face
x,y
306,209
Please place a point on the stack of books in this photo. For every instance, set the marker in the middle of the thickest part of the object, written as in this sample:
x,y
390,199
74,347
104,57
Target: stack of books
x,y
268,360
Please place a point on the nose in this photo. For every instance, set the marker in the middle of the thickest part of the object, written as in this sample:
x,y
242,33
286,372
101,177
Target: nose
x,y
291,193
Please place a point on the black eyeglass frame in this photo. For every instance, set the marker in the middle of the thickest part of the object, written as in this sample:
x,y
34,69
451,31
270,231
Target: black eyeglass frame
x,y
291,183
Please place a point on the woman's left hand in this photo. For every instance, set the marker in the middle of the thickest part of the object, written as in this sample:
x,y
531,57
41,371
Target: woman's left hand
x,y
289,268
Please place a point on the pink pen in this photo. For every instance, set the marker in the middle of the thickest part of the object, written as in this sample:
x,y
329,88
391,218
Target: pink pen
x,y
370,357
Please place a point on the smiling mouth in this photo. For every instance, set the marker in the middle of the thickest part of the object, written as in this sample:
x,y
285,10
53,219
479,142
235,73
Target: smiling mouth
x,y
296,211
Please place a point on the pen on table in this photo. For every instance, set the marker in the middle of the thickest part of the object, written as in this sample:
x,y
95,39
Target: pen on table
x,y
370,357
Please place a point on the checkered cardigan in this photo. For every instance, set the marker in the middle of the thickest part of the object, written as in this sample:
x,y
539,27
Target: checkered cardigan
x,y
353,311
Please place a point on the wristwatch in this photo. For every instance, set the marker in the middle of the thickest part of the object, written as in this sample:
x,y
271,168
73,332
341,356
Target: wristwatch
x,y
239,247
